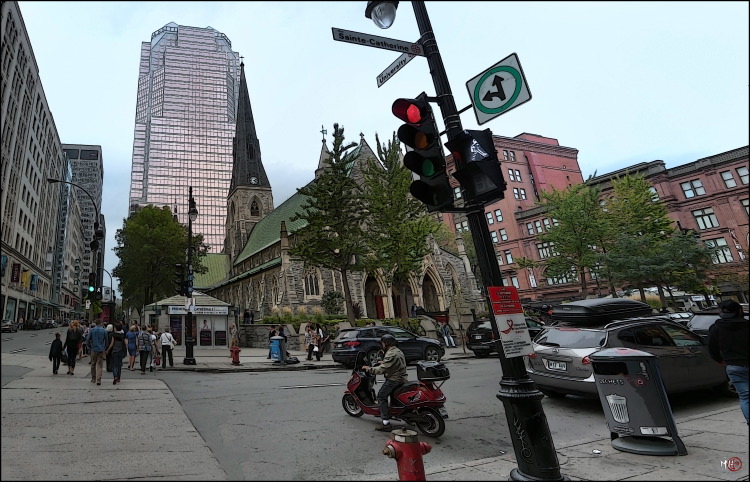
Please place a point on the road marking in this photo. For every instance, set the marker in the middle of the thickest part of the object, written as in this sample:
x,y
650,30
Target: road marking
x,y
18,351
314,386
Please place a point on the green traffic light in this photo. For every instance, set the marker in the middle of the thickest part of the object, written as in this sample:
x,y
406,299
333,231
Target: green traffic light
x,y
91,289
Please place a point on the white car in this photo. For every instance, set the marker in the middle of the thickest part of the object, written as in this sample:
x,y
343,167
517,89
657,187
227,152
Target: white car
x,y
9,326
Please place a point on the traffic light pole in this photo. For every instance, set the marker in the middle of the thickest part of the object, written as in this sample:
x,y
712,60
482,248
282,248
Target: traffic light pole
x,y
189,358
532,441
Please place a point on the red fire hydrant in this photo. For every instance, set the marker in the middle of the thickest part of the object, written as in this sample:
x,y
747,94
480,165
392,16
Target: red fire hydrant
x,y
406,448
235,355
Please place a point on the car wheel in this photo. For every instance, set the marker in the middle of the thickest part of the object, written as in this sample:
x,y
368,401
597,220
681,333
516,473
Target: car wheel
x,y
481,354
551,393
432,354
373,356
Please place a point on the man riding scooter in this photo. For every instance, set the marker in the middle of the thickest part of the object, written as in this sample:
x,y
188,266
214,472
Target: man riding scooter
x,y
393,367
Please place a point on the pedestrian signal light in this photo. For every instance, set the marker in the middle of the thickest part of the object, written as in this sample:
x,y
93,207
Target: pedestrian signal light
x,y
477,167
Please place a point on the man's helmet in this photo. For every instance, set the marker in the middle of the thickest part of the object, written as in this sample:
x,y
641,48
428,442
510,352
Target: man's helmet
x,y
388,340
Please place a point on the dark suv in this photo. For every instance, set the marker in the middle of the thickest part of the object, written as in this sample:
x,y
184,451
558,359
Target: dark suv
x,y
480,340
367,340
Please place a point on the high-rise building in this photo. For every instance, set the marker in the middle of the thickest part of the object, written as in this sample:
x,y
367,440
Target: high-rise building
x,y
188,86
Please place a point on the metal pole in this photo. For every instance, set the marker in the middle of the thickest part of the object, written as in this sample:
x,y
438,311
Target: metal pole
x,y
189,359
529,431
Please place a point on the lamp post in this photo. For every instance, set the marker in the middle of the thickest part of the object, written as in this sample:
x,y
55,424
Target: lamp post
x,y
192,216
98,234
532,440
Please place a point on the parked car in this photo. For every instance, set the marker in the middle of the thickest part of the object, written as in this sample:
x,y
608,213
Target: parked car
x,y
481,340
560,364
681,317
9,326
367,339
50,323
702,320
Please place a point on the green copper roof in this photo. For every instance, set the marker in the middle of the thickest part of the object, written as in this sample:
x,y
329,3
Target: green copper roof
x,y
267,232
218,268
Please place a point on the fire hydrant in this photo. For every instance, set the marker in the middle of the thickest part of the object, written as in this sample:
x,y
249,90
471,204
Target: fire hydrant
x,y
235,355
406,448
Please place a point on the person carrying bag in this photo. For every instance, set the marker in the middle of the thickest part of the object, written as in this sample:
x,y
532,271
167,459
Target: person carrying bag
x,y
167,345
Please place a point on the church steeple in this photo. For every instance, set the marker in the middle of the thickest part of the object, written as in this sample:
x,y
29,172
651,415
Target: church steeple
x,y
248,168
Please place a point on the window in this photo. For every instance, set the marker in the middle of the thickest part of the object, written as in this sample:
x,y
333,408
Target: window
x,y
89,155
522,193
514,281
254,210
505,154
462,226
692,188
516,193
503,234
681,336
493,235
498,215
490,219
654,194
538,225
728,179
545,250
546,224
721,254
743,173
511,175
312,286
508,256
530,228
513,158
705,218
518,175
457,192
560,280
746,205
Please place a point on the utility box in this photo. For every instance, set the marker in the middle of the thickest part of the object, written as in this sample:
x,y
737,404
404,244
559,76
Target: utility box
x,y
635,403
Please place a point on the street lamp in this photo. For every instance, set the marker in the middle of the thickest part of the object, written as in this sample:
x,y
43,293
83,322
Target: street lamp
x,y
98,234
192,216
522,400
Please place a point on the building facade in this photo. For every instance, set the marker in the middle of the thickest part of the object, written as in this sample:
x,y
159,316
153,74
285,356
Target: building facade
x,y
188,85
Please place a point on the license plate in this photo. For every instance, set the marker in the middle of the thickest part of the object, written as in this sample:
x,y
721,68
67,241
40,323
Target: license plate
x,y
477,337
557,365
443,412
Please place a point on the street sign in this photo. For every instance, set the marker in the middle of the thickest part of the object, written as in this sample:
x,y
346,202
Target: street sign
x,y
511,322
391,70
88,304
498,89
341,35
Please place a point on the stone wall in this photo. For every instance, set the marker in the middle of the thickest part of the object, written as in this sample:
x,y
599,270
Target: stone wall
x,y
256,336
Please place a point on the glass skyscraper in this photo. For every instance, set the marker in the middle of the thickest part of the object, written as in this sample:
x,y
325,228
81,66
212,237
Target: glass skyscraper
x,y
188,85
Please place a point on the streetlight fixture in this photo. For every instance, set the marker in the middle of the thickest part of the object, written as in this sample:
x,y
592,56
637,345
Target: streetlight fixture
x,y
522,400
192,216
98,234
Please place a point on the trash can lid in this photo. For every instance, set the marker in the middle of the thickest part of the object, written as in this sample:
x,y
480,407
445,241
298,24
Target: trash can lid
x,y
277,337
616,353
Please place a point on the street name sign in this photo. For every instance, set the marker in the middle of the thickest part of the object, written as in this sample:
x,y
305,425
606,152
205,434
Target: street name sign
x,y
341,35
511,323
498,89
391,70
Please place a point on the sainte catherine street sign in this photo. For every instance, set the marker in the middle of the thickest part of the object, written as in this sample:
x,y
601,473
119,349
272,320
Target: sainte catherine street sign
x,y
498,89
358,38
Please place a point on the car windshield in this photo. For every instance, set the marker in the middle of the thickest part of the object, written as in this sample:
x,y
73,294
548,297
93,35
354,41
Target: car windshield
x,y
702,322
347,334
571,337
485,325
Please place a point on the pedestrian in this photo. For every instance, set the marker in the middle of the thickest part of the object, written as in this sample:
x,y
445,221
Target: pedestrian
x,y
116,351
317,338
154,353
271,334
309,343
393,367
445,331
167,345
144,348
282,350
728,341
55,353
234,336
108,357
324,340
132,340
336,331
73,339
83,349
97,344
248,318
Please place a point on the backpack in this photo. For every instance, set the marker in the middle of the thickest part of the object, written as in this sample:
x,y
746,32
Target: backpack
x,y
145,341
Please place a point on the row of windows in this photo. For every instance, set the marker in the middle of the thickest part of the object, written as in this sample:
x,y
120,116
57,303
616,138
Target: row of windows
x,y
695,187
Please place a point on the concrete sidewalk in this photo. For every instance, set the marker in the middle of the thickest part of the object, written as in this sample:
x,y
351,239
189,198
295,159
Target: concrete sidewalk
x,y
40,432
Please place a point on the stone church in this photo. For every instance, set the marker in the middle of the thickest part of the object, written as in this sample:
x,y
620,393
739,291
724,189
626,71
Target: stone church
x,y
256,272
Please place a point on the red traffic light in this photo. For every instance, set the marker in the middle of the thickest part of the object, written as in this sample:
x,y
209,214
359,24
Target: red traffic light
x,y
412,111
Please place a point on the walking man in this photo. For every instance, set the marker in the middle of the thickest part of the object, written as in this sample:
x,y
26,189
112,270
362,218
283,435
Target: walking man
x,y
393,367
167,343
97,343
728,340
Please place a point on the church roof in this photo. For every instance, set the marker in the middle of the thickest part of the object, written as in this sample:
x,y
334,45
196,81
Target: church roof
x,y
218,265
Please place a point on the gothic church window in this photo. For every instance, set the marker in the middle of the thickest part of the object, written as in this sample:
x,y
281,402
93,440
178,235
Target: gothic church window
x,y
312,284
254,209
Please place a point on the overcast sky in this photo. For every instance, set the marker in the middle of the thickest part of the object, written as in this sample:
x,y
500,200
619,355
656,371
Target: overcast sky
x,y
622,82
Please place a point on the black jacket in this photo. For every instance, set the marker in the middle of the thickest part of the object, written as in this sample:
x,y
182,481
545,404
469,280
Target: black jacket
x,y
56,348
728,340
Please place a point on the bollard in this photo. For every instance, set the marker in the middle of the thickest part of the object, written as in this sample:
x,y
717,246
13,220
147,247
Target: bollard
x,y
406,448
235,355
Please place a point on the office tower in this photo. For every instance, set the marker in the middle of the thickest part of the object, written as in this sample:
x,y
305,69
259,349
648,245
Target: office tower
x,y
188,86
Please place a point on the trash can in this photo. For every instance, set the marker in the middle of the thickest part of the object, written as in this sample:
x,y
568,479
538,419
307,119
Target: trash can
x,y
635,403
276,348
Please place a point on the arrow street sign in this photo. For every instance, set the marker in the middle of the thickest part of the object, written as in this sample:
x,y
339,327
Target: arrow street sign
x,y
391,70
498,89
359,38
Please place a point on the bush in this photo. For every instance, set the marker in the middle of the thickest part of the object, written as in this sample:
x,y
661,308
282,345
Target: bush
x,y
332,302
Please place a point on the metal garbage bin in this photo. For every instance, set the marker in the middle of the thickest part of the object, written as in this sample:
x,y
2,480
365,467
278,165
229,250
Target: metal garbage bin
x,y
635,403
276,348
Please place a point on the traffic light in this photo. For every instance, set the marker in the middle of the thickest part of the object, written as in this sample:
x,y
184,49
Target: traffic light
x,y
98,294
179,281
94,245
477,166
92,282
426,159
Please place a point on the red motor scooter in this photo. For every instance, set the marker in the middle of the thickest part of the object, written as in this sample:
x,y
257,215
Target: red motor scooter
x,y
419,403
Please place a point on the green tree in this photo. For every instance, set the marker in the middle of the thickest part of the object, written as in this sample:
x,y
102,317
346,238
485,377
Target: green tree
x,y
398,224
334,212
149,245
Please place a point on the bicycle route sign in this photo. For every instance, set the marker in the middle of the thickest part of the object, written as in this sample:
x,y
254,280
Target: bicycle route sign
x,y
498,89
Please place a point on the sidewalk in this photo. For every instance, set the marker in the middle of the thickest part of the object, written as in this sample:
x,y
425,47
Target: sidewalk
x,y
38,426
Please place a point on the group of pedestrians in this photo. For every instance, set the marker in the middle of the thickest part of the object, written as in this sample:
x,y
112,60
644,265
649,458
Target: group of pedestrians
x,y
316,340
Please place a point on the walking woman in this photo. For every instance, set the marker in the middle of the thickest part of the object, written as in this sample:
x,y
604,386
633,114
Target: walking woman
x,y
131,337
73,339
117,350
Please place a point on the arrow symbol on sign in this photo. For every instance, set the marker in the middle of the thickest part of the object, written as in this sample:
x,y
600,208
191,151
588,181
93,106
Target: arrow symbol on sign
x,y
498,83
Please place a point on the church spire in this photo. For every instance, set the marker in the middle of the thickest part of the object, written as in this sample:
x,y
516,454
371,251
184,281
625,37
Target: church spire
x,y
248,168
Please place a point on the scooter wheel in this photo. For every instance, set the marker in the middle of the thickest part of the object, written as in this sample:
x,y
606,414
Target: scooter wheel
x,y
430,422
351,406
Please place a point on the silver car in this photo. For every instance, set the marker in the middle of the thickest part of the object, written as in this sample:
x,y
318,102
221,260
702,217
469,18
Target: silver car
x,y
560,364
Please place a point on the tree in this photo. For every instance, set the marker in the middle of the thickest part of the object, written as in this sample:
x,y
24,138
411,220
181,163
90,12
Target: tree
x,y
397,224
149,245
334,212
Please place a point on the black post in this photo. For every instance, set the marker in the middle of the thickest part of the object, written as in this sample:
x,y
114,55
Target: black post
x,y
189,358
532,440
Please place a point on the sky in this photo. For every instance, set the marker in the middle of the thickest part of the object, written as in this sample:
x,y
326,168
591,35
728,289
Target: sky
x,y
621,82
